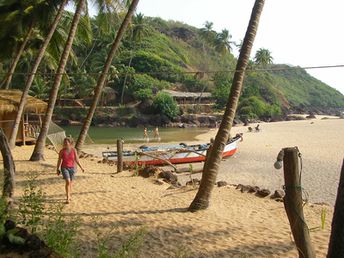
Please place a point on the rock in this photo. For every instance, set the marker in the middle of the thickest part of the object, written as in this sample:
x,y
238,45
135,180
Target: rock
x,y
263,193
9,224
158,182
33,242
149,172
311,116
194,181
221,183
168,177
243,188
253,189
278,194
279,200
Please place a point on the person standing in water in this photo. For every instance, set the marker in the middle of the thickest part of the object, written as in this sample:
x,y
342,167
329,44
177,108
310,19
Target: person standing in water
x,y
145,133
68,161
156,133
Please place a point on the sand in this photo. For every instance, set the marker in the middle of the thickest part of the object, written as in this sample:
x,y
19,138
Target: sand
x,y
321,143
235,225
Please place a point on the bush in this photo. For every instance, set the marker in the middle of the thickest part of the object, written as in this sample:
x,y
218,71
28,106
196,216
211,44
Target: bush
x,y
165,105
255,107
143,94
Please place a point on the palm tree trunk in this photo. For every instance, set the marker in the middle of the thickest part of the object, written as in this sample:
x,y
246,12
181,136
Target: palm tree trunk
x,y
103,76
39,147
29,80
9,167
8,77
125,78
336,245
212,163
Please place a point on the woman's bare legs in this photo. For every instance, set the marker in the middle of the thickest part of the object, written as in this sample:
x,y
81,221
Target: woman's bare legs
x,y
68,190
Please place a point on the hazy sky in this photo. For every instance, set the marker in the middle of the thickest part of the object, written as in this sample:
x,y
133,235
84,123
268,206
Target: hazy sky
x,y
297,32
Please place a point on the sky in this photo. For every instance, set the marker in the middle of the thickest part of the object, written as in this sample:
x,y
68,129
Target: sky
x,y
297,32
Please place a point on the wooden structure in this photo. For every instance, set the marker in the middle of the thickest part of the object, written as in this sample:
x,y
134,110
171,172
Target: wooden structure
x,y
9,101
293,203
190,97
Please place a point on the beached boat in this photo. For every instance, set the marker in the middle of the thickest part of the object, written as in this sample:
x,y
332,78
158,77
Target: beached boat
x,y
171,154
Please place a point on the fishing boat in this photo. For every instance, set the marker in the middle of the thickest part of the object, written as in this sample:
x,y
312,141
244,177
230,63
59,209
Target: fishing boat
x,y
171,154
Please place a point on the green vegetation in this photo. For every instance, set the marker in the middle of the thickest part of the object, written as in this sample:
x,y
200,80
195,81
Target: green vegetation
x,y
165,105
157,54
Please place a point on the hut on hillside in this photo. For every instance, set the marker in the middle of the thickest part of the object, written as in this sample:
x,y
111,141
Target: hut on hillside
x,y
28,128
190,97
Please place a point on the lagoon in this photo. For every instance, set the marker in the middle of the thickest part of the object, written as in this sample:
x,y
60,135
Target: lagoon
x,y
108,135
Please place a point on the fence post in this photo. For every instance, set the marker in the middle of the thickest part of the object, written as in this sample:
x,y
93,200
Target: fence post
x,y
294,205
336,245
119,155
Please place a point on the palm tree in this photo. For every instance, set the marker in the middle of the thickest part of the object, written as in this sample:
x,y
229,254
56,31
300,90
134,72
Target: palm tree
x,y
103,76
31,77
139,30
336,245
39,147
207,33
263,57
222,42
214,156
18,16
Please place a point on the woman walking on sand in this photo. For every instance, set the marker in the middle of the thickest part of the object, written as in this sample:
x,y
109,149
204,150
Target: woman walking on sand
x,y
67,161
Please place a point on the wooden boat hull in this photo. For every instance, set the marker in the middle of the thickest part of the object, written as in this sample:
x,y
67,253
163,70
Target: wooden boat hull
x,y
195,153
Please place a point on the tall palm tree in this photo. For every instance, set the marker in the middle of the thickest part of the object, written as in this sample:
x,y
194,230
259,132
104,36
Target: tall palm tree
x,y
138,31
31,77
214,156
103,76
263,57
336,245
39,147
207,32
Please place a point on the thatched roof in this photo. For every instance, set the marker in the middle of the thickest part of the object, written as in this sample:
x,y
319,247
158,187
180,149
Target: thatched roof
x,y
9,101
181,94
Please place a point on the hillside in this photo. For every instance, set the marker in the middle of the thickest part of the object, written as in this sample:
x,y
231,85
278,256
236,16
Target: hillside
x,y
158,54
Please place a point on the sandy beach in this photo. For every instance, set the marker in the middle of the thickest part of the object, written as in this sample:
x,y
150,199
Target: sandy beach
x,y
235,225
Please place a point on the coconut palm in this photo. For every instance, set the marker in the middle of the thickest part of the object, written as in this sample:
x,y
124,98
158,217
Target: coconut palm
x,y
336,245
207,33
31,77
18,21
39,147
214,155
223,43
103,76
263,57
138,31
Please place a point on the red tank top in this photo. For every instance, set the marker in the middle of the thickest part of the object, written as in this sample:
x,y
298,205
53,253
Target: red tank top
x,y
68,159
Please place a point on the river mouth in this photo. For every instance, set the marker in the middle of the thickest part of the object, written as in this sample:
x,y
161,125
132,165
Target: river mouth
x,y
109,135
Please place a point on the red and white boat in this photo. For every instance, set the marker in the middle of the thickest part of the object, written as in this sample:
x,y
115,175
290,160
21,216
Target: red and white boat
x,y
174,154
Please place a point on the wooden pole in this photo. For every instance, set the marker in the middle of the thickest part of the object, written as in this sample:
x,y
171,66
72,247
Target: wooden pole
x,y
294,205
9,168
119,155
336,245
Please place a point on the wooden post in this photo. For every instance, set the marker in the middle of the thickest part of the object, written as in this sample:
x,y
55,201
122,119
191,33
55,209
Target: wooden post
x,y
119,155
336,245
294,205
9,168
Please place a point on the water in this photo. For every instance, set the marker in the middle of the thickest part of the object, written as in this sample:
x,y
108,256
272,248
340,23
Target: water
x,y
108,135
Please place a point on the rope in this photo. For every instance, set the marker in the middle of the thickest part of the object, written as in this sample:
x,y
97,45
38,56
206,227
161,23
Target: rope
x,y
188,72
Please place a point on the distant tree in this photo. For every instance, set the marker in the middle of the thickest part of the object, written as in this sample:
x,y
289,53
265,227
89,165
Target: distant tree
x,y
139,29
263,57
102,78
223,43
207,33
